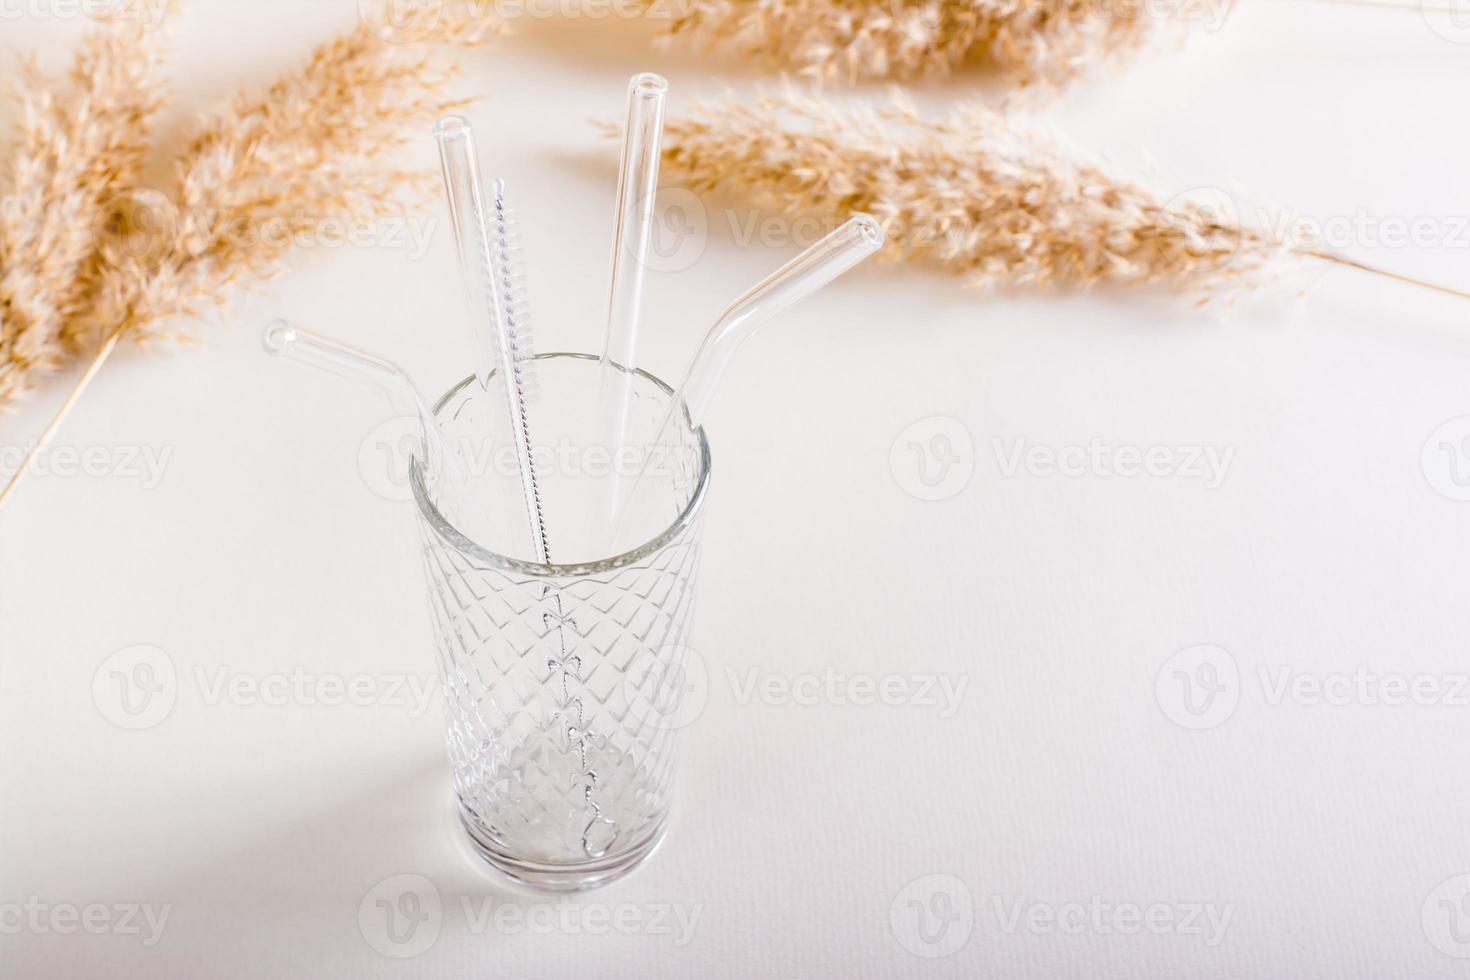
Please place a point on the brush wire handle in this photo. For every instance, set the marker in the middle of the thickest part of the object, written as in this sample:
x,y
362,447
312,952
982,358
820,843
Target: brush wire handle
x,y
513,344
489,259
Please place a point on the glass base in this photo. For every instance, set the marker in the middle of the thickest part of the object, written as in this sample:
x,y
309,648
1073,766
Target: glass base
x,y
560,877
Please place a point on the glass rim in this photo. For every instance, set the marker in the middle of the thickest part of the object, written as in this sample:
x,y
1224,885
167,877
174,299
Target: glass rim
x,y
463,543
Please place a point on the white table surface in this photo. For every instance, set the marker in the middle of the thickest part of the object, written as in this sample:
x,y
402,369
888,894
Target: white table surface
x,y
1055,821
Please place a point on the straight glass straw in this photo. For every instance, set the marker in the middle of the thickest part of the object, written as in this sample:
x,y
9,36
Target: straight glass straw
x,y
470,216
859,237
632,241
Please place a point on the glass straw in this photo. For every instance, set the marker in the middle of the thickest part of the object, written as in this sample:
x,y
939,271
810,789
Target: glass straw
x,y
467,215
284,340
490,314
632,240
859,237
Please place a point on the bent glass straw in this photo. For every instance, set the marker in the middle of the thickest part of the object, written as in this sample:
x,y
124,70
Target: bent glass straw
x,y
859,237
632,239
283,340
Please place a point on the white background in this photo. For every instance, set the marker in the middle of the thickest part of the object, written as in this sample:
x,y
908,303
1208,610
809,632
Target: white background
x,y
1324,831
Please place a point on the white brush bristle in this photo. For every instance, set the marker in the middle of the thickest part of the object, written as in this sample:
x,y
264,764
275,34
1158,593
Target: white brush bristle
x,y
510,272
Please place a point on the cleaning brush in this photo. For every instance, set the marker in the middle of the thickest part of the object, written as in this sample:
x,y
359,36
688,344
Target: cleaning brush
x,y
515,350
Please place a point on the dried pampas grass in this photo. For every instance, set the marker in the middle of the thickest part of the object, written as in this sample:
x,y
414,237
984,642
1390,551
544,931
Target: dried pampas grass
x,y
75,147
968,192
88,259
311,147
973,194
1049,41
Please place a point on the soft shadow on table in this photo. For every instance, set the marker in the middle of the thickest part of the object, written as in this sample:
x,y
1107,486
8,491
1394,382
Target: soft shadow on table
x,y
287,901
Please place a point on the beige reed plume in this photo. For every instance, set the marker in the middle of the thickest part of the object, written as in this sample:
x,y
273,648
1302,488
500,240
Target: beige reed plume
x,y
74,149
973,194
1030,41
256,173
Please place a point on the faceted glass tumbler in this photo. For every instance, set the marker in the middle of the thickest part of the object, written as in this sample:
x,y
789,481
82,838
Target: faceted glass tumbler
x,y
562,681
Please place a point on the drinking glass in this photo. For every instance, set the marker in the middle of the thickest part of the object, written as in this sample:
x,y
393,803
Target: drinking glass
x,y
562,682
